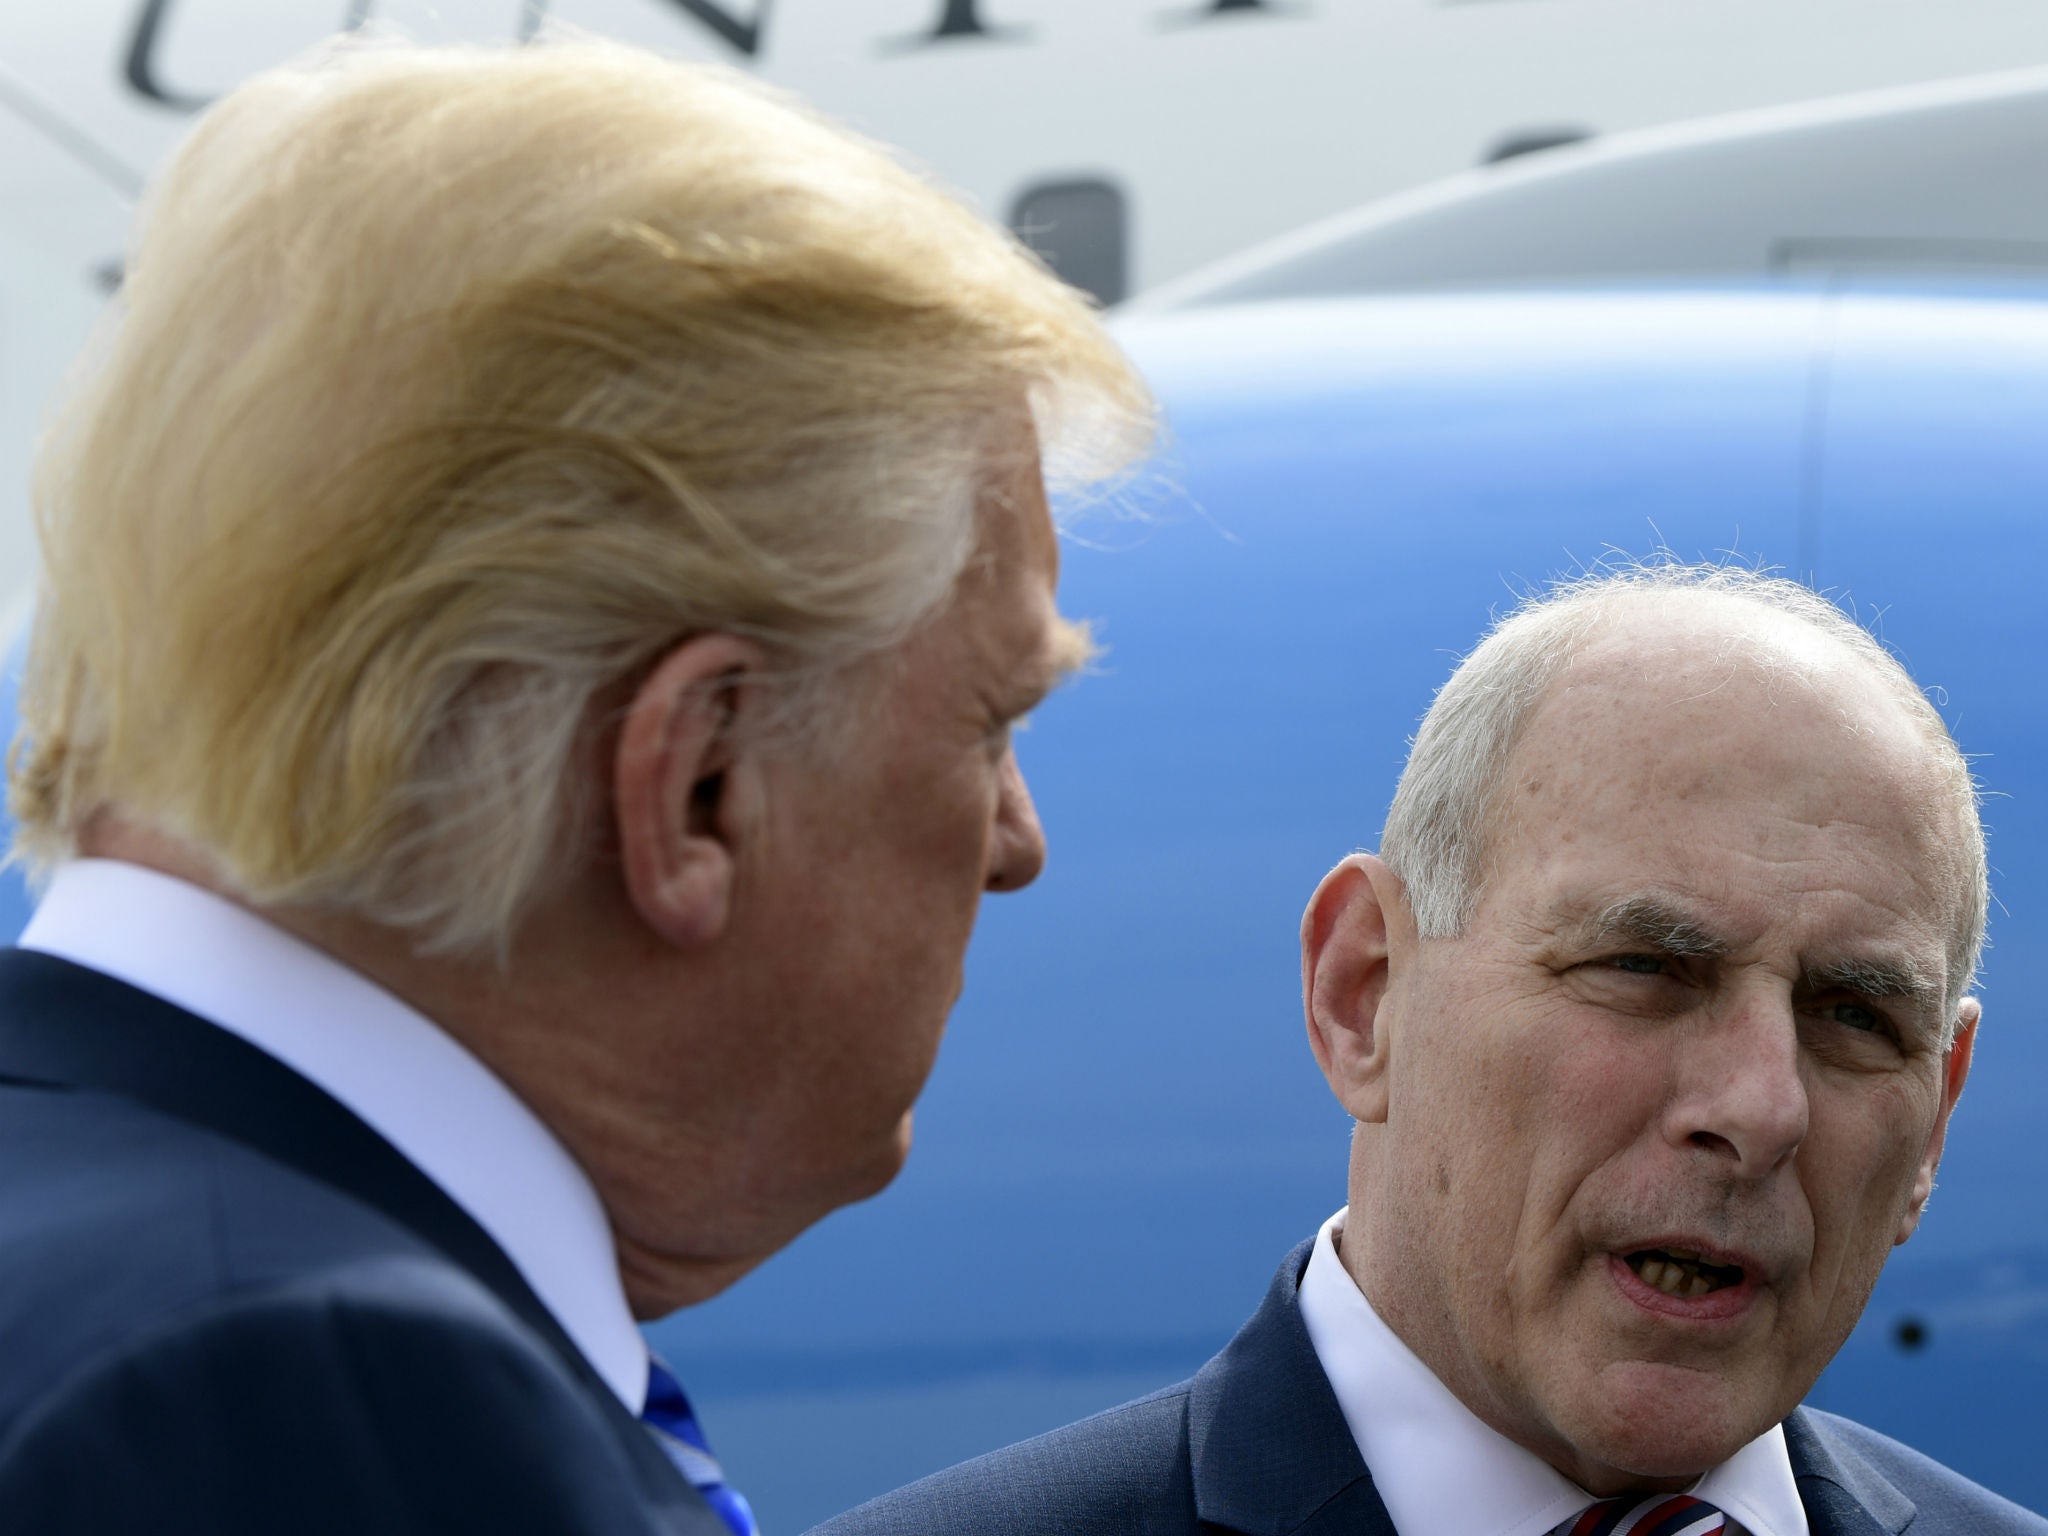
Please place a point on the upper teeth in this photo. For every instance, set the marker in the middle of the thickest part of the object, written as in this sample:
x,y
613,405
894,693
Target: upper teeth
x,y
1681,1277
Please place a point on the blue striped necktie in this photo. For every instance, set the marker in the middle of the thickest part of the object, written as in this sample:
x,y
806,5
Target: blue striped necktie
x,y
669,1415
1662,1514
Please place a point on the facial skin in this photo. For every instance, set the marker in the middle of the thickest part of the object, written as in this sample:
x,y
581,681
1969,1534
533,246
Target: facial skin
x,y
1698,1007
726,1017
811,913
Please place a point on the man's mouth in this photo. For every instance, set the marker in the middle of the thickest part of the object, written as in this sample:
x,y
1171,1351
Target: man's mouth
x,y
1681,1272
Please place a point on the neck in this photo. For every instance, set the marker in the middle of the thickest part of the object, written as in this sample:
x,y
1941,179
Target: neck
x,y
510,1018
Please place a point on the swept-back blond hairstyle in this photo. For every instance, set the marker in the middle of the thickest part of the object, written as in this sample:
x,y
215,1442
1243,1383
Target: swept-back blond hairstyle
x,y
451,386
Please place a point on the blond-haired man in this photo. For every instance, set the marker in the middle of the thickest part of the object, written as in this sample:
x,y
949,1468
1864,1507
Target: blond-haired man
x,y
538,586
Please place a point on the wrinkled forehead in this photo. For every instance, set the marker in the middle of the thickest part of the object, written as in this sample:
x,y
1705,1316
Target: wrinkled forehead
x,y
1724,727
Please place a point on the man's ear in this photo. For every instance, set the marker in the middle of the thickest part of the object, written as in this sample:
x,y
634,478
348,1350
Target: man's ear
x,y
1955,1070
1345,947
680,783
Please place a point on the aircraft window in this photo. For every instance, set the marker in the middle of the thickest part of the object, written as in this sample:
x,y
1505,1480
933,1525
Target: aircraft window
x,y
1081,228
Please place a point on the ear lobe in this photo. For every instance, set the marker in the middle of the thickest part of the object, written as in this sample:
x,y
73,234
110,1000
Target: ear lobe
x,y
1955,1071
1345,950
677,786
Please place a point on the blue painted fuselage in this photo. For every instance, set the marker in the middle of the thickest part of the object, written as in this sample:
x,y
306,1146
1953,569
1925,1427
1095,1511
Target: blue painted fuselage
x,y
1126,1130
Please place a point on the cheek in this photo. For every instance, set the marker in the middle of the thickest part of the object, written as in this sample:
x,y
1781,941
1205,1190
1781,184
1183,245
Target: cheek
x,y
1859,1167
1546,1127
1466,1109
1531,1087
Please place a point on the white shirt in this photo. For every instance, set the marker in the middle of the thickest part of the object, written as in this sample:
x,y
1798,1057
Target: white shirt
x,y
1442,1471
401,1075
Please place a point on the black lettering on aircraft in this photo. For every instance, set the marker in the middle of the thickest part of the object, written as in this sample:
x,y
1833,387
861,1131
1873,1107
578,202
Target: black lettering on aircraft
x,y
957,18
145,40
743,35
140,66
1216,10
962,18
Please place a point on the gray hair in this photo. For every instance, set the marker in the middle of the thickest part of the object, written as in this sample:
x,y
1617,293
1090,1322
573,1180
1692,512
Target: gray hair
x,y
1439,827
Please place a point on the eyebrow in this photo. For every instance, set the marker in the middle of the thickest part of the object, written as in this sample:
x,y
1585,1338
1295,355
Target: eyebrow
x,y
1651,923
1069,649
1073,647
1874,978
1655,924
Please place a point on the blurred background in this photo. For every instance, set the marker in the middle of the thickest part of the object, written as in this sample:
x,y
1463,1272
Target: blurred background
x,y
1443,298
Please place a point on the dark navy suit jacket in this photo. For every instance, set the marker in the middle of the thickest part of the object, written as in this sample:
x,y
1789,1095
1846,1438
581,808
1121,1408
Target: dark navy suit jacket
x,y
227,1306
1256,1443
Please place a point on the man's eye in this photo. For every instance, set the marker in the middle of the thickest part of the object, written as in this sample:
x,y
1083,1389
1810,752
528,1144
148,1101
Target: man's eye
x,y
1856,1016
1639,965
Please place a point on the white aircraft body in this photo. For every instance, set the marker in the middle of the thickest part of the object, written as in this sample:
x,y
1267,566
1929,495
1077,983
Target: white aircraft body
x,y
1136,139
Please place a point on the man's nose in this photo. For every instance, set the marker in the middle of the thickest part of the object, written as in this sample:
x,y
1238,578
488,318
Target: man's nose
x,y
1744,1096
1017,849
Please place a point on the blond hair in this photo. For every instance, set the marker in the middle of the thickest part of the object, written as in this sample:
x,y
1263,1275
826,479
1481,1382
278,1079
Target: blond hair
x,y
450,387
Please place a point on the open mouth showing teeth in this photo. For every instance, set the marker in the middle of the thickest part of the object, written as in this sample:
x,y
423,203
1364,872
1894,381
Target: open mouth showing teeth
x,y
1680,1272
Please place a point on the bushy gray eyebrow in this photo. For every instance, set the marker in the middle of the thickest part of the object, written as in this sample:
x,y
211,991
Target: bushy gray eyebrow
x,y
1648,923
1874,978
1652,924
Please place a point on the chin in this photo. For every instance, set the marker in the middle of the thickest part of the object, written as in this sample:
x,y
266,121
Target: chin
x,y
1673,1453
654,1289
1664,1422
877,1170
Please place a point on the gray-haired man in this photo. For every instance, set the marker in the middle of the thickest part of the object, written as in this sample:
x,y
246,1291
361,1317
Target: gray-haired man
x,y
1651,1015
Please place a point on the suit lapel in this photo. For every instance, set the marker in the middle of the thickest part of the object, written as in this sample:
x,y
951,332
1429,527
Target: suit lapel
x,y
1843,1493
1270,1451
68,1025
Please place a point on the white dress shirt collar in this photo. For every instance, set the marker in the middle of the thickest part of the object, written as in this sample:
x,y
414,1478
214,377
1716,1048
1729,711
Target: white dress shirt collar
x,y
1443,1472
400,1074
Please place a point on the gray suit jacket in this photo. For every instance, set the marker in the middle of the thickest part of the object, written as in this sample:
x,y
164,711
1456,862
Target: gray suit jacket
x,y
1256,1444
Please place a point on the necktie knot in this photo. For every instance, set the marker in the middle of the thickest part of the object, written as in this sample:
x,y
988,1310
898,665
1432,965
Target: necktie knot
x,y
674,1423
1661,1514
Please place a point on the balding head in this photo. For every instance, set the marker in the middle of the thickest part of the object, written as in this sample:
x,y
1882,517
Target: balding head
x,y
1662,633
1653,1017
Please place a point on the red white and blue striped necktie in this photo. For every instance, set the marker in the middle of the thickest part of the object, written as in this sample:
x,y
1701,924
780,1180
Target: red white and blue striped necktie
x,y
674,1422
1663,1514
